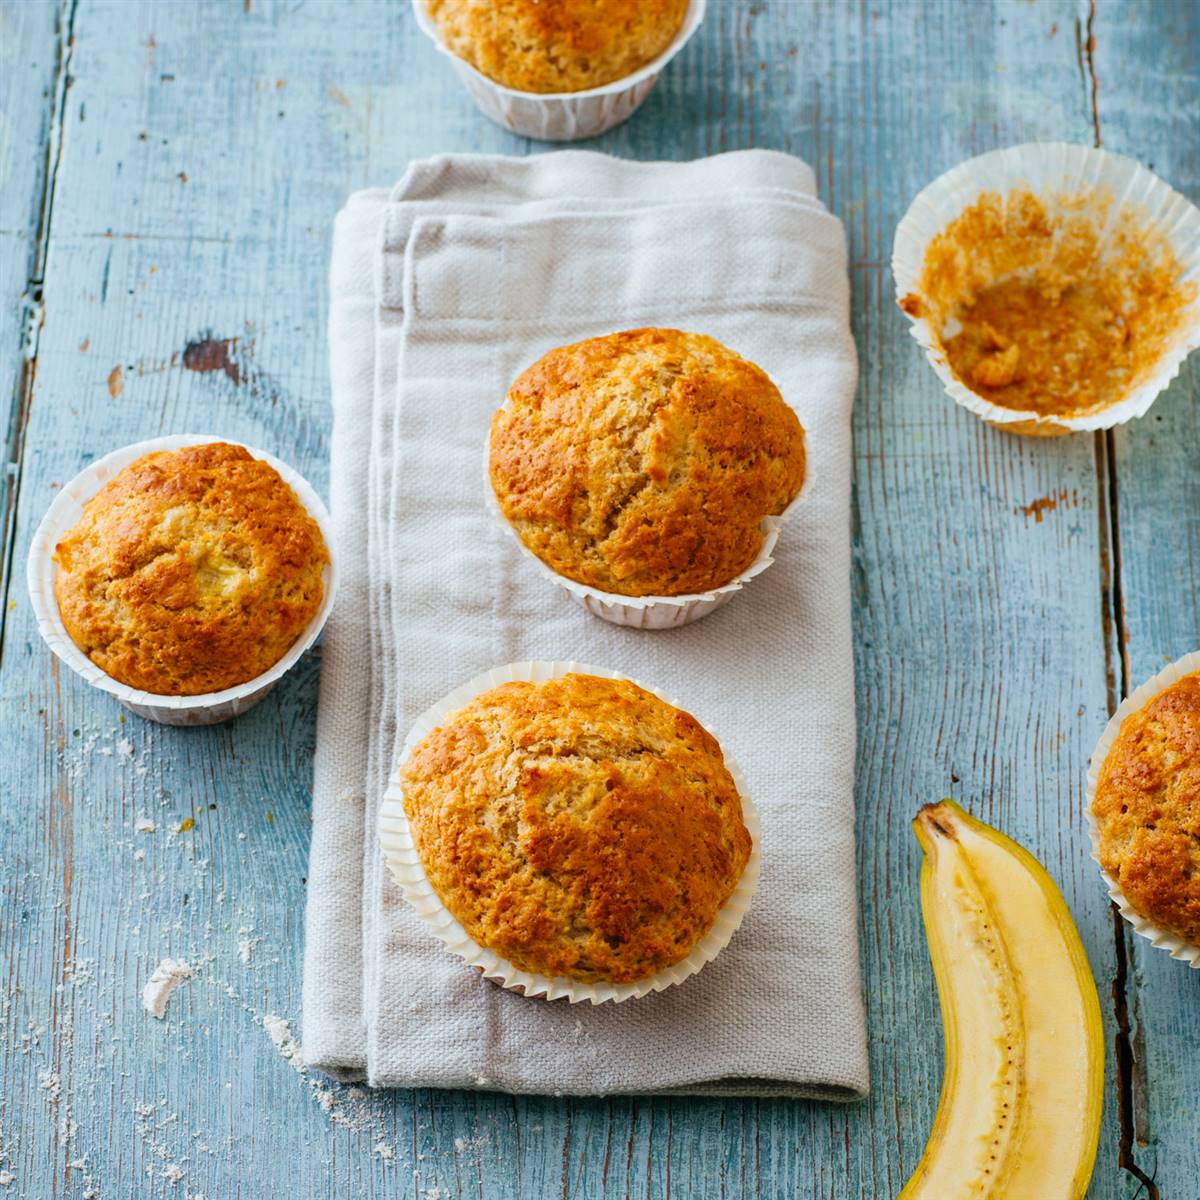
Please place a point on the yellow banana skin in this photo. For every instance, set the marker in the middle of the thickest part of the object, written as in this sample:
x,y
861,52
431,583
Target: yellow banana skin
x,y
1018,1117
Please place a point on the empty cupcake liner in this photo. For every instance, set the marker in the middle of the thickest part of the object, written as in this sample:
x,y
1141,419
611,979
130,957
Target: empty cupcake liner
x,y
1050,169
1172,943
562,116
65,512
405,865
646,612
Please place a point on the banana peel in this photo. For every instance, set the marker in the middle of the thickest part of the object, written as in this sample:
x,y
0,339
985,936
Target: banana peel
x,y
1019,1113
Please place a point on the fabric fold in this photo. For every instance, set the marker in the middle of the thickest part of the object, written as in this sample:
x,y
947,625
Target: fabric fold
x,y
477,266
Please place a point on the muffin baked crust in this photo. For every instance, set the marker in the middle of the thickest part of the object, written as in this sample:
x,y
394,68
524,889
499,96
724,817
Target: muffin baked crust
x,y
1147,807
557,45
643,462
579,827
190,571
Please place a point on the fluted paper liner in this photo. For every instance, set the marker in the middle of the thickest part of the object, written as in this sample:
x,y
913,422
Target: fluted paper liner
x,y
1172,943
1050,169
562,116
405,865
646,612
64,513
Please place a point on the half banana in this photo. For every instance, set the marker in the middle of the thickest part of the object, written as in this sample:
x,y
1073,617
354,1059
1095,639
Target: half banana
x,y
1019,1113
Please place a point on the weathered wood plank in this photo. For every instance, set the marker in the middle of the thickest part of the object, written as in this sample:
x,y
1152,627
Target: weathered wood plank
x,y
1148,106
206,149
30,53
979,629
33,53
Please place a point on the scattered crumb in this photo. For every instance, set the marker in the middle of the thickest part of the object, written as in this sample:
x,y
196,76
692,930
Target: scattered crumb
x,y
172,1172
143,825
247,943
49,1082
385,1152
125,748
83,971
139,855
168,975
280,1032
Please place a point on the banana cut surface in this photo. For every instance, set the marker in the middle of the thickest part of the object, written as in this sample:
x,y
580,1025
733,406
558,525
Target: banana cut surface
x,y
1019,1113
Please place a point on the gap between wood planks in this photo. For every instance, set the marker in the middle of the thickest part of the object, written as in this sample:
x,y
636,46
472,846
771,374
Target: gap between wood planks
x,y
33,304
1130,1082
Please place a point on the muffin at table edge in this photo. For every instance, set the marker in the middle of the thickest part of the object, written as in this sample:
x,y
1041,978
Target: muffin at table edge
x,y
642,463
578,827
564,46
190,571
1147,809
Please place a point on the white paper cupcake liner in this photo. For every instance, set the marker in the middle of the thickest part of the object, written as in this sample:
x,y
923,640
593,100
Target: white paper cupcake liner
x,y
562,116
1049,169
65,512
645,612
1172,943
405,865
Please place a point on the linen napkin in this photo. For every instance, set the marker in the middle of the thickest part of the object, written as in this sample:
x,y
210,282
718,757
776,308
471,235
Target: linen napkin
x,y
442,291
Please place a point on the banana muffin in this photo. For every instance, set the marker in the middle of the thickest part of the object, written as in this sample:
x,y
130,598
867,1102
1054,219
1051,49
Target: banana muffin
x,y
643,463
190,571
1147,808
578,827
557,45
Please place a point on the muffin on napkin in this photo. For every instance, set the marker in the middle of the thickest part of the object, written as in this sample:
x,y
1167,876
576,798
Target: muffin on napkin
x,y
578,826
643,463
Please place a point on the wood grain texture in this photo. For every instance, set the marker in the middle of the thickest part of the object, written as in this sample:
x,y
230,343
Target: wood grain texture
x,y
204,151
1147,91
33,73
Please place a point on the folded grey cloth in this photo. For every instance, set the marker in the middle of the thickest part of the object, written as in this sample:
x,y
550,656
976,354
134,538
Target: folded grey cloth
x,y
442,292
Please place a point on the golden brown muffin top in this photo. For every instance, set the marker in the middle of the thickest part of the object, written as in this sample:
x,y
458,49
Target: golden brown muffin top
x,y
190,571
579,827
643,462
557,45
1147,807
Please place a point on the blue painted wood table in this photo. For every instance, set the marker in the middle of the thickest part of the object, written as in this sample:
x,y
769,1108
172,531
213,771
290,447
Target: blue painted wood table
x,y
168,173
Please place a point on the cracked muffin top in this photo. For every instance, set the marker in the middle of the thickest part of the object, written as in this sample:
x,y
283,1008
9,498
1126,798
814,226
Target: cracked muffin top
x,y
579,827
190,571
557,45
1147,807
643,463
